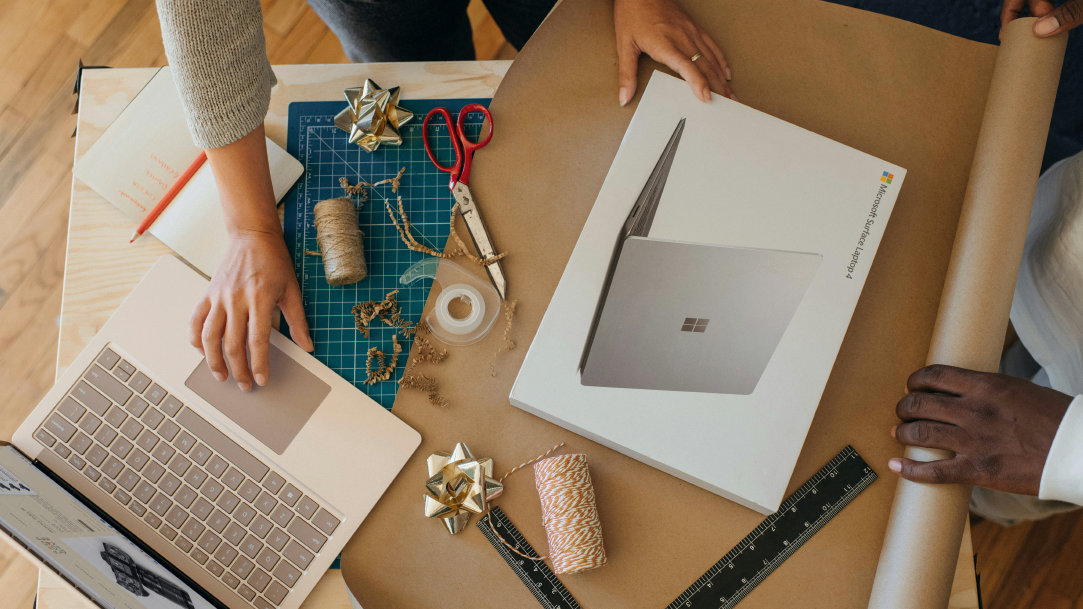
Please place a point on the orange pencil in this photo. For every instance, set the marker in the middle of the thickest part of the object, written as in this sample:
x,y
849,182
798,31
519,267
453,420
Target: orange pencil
x,y
168,197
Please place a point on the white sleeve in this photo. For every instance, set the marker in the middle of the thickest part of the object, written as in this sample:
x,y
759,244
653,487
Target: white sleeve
x,y
1062,477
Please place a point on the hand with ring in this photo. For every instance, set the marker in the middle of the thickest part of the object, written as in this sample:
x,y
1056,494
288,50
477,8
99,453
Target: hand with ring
x,y
661,29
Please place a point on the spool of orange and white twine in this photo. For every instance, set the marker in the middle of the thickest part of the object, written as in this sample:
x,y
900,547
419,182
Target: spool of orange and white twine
x,y
569,513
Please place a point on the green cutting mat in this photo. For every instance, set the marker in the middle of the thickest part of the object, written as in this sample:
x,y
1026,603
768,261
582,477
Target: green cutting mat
x,y
327,156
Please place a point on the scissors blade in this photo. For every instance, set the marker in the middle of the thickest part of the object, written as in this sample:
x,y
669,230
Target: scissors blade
x,y
480,235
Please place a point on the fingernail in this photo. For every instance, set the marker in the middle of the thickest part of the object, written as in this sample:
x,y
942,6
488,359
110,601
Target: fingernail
x,y
624,96
733,96
729,73
705,94
219,376
1046,26
893,428
894,465
246,387
261,379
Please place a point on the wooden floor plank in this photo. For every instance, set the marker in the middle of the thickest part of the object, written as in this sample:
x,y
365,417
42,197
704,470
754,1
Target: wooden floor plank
x,y
327,50
59,76
305,34
136,21
282,16
86,26
41,136
35,42
12,124
138,47
29,221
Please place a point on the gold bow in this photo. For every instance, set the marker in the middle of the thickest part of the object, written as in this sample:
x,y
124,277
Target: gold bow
x,y
373,116
459,484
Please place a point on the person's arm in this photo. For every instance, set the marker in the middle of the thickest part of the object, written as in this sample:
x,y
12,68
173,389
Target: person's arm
x,y
219,62
661,29
1001,430
255,276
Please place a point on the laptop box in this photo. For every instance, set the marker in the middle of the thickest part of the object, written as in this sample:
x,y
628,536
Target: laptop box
x,y
743,181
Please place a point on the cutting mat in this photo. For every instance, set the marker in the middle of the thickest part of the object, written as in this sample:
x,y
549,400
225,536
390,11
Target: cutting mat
x,y
327,156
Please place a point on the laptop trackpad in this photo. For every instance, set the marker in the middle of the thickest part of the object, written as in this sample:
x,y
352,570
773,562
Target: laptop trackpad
x,y
274,413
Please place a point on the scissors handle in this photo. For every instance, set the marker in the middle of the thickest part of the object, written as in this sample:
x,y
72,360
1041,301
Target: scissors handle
x,y
469,147
455,169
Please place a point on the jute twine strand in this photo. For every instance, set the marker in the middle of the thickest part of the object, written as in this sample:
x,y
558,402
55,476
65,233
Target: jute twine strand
x,y
340,241
532,461
569,513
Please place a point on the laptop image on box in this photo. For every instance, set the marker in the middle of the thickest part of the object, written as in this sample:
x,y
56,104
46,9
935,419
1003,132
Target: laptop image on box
x,y
145,483
679,316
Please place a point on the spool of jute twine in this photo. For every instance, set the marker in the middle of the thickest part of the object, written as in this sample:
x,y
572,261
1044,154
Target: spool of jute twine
x,y
569,513
340,241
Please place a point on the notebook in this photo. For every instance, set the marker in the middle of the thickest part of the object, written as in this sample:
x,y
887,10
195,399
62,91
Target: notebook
x,y
141,155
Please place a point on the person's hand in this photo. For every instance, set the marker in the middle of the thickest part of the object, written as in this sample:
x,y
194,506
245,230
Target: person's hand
x,y
1052,20
999,427
232,324
662,30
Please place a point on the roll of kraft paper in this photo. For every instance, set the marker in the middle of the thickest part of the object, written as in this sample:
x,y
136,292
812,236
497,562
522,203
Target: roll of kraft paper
x,y
921,547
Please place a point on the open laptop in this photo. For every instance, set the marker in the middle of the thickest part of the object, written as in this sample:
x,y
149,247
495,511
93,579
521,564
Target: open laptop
x,y
145,483
679,316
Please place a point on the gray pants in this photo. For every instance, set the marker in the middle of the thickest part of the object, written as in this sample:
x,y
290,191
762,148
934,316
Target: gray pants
x,y
422,30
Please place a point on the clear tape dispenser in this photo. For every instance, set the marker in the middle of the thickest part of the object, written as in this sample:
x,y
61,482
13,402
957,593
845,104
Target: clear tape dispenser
x,y
456,290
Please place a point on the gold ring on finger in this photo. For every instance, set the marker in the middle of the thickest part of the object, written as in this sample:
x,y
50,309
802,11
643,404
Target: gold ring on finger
x,y
696,56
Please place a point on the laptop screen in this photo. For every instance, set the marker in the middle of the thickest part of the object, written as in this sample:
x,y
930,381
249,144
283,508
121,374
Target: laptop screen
x,y
56,527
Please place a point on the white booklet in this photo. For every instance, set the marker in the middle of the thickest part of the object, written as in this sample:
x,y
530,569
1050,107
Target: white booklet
x,y
720,326
143,153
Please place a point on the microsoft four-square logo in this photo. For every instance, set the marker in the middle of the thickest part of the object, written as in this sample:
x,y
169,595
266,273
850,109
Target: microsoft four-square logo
x,y
887,177
695,324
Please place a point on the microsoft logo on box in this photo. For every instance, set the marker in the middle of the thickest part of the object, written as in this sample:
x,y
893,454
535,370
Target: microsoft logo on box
x,y
887,177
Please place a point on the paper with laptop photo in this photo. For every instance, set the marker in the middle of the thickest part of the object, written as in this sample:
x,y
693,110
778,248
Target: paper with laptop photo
x,y
80,546
710,336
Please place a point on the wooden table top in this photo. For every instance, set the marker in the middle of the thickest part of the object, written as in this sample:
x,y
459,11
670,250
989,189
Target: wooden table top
x,y
101,267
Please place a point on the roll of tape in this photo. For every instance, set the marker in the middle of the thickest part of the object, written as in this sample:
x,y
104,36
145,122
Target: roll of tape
x,y
464,325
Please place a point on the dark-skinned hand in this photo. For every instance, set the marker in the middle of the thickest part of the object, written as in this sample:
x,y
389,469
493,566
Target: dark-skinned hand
x,y
999,428
1052,19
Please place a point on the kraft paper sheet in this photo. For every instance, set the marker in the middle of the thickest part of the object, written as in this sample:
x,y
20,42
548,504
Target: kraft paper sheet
x,y
896,90
926,524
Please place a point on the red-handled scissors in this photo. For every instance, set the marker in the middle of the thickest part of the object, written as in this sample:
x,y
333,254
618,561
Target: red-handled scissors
x,y
460,174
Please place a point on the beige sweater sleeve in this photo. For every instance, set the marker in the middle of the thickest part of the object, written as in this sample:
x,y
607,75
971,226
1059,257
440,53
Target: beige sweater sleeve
x,y
219,61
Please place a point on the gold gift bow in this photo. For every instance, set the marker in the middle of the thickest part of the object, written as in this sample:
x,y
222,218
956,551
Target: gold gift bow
x,y
460,484
373,116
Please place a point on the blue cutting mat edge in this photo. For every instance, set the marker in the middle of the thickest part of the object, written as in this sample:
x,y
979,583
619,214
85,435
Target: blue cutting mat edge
x,y
423,175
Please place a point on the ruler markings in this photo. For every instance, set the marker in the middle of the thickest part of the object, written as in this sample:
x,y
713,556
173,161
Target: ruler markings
x,y
545,586
855,475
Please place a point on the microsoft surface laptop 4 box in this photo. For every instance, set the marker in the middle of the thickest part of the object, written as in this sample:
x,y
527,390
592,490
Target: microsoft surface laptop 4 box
x,y
703,306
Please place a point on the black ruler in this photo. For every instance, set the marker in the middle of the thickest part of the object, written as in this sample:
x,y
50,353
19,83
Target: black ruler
x,y
535,574
799,517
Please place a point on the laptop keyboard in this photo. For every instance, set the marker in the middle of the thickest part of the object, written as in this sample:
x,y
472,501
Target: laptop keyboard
x,y
244,523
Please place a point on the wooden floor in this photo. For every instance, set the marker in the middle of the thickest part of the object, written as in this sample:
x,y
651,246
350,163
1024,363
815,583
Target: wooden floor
x,y
41,42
